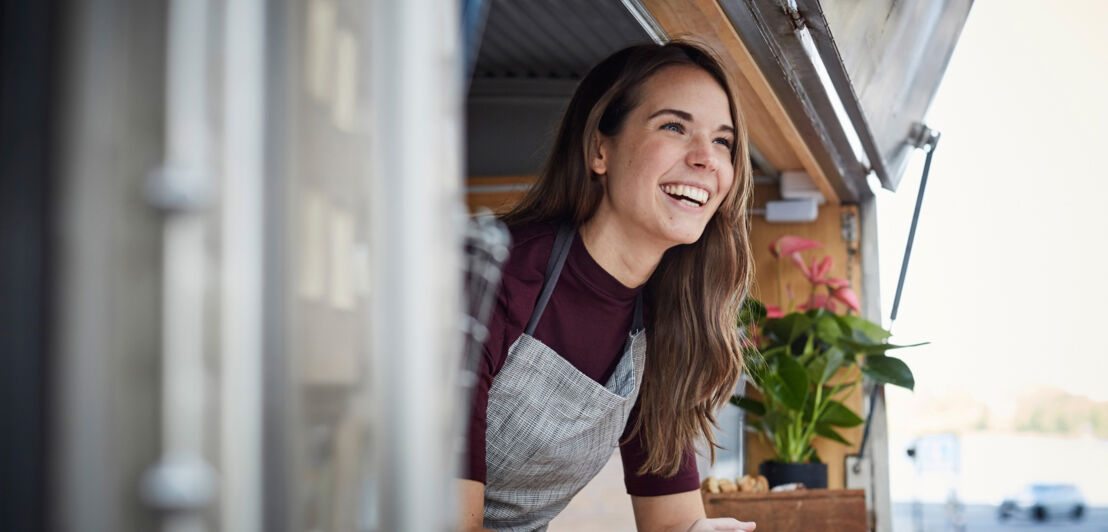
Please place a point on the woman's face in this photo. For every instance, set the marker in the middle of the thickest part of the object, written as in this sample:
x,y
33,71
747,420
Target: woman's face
x,y
669,168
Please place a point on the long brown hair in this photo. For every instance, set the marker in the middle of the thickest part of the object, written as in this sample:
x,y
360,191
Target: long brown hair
x,y
694,358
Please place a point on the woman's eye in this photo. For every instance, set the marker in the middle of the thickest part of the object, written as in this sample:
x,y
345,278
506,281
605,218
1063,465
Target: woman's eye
x,y
724,142
674,126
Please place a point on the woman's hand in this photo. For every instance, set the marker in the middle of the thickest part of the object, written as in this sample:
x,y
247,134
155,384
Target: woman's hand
x,y
672,513
721,523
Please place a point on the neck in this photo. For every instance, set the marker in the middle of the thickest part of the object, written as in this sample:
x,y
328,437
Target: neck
x,y
627,256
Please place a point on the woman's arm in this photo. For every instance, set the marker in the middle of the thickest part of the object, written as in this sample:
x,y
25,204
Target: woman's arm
x,y
679,512
471,503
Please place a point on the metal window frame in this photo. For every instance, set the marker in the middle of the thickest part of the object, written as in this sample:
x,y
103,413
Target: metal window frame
x,y
772,37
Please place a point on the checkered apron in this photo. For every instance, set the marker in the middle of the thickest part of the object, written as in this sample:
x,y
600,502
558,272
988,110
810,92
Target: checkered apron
x,y
552,428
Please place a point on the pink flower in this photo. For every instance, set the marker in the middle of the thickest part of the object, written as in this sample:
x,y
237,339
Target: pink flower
x,y
848,297
817,272
799,262
788,244
822,269
818,301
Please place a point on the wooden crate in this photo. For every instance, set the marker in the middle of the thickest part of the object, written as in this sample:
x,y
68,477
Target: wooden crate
x,y
791,511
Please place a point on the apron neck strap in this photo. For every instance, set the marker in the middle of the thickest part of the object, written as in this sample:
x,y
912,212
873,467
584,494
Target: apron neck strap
x,y
636,323
558,255
562,243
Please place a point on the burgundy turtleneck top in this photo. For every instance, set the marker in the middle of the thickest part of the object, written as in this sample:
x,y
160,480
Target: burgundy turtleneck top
x,y
586,322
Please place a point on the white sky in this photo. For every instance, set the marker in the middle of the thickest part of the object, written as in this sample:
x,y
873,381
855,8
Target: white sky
x,y
1009,273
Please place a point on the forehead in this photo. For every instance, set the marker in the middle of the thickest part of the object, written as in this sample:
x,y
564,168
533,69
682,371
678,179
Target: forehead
x,y
686,88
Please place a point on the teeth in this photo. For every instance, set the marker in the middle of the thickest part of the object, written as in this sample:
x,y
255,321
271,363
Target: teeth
x,y
696,194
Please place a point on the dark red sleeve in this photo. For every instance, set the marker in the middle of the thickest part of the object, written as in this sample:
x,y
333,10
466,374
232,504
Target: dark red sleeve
x,y
474,466
633,454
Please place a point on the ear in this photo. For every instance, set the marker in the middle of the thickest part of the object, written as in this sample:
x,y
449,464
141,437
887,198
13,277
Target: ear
x,y
599,154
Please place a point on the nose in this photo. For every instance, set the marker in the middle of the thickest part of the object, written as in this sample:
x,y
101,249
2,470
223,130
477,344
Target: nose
x,y
700,154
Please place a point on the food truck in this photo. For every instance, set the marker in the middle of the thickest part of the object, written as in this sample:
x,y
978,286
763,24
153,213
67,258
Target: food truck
x,y
242,229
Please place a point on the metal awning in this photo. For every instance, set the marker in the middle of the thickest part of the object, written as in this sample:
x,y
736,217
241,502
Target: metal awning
x,y
532,55
854,78
853,119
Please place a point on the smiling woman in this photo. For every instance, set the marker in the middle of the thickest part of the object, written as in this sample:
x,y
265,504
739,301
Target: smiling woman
x,y
668,167
633,236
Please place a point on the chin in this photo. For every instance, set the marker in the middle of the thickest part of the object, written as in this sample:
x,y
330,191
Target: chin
x,y
682,235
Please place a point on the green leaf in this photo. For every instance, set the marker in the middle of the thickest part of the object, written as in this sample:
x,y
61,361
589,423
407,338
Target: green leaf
x,y
748,404
774,352
760,366
753,312
818,313
816,368
889,370
814,457
829,433
809,351
769,422
838,415
799,326
754,360
872,331
772,386
792,387
835,359
828,329
824,365
809,409
786,330
870,348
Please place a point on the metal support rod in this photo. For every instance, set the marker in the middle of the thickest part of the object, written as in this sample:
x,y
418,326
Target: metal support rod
x,y
865,431
929,142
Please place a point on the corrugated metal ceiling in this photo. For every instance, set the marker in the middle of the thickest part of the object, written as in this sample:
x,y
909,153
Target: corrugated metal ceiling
x,y
549,39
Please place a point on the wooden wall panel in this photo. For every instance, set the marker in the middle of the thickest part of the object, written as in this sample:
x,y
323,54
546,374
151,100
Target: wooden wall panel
x,y
828,229
498,194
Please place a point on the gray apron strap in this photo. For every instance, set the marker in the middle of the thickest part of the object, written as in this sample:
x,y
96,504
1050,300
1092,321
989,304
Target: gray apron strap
x,y
562,243
558,255
636,323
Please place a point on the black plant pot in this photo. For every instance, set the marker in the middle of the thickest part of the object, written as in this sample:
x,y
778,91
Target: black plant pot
x,y
813,476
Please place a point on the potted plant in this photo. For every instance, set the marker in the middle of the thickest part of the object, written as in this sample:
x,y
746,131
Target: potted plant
x,y
794,355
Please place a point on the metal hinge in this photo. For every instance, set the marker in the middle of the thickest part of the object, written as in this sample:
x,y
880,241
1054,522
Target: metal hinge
x,y
849,227
922,136
795,18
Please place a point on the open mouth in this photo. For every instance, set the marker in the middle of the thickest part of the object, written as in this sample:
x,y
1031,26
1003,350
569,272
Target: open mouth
x,y
690,195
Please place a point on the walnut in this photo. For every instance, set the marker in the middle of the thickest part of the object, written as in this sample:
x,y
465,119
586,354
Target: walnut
x,y
753,484
710,485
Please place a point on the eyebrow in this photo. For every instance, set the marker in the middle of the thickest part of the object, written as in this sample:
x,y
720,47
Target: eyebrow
x,y
686,116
